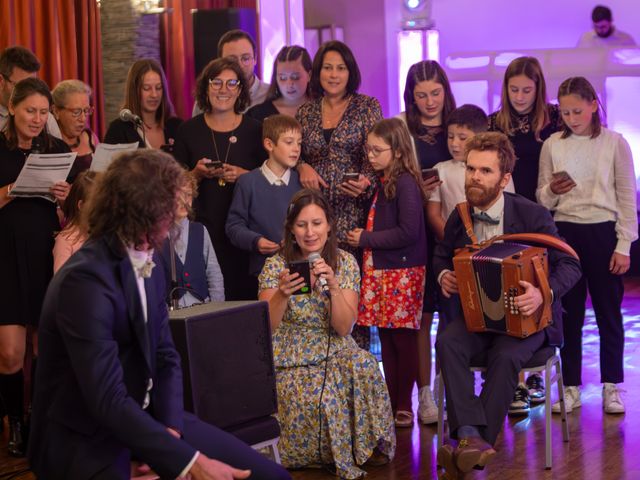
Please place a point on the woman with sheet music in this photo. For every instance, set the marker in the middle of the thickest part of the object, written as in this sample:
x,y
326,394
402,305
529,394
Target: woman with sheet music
x,y
27,226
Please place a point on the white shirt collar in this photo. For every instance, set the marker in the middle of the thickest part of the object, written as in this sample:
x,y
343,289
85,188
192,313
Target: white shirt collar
x,y
496,210
272,178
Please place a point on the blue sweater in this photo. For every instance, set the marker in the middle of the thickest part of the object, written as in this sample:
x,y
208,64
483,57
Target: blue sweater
x,y
258,209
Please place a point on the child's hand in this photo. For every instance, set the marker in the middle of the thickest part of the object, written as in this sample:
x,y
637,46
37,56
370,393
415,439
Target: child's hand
x,y
560,186
619,263
353,237
430,184
354,188
267,247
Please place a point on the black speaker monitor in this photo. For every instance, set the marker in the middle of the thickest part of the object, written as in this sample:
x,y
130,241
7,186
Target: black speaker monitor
x,y
227,361
210,25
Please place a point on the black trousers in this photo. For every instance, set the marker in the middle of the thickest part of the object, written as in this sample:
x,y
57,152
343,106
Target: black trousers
x,y
455,347
595,244
216,444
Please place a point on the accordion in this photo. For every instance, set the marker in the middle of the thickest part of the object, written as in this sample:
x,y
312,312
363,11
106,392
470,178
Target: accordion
x,y
488,281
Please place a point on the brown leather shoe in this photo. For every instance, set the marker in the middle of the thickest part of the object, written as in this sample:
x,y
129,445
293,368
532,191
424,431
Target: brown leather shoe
x,y
446,460
472,452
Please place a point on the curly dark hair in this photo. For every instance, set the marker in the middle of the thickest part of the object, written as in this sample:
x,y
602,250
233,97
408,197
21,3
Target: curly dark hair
x,y
211,71
136,198
290,249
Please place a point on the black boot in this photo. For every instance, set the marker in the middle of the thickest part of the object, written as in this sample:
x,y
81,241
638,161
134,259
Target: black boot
x,y
16,444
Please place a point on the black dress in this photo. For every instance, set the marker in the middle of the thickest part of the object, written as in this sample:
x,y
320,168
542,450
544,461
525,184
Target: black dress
x,y
193,142
527,148
262,110
27,227
431,148
126,132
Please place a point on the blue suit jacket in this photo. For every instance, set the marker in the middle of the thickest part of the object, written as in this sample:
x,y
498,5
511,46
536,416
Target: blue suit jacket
x,y
520,216
96,358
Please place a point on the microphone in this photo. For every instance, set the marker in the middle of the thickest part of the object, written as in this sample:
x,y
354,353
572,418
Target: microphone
x,y
321,281
127,115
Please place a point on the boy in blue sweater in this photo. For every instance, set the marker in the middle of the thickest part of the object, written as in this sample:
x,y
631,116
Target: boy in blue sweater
x,y
261,198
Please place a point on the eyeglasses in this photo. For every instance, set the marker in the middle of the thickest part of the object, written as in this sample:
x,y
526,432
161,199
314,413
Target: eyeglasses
x,y
217,83
375,151
245,59
76,112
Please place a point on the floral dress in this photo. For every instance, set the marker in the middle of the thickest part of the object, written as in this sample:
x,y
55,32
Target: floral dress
x,y
356,415
390,298
343,153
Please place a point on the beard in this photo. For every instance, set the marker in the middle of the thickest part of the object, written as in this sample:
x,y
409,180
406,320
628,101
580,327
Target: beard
x,y
480,196
605,34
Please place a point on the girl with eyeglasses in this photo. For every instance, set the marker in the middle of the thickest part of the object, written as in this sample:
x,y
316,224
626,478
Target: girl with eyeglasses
x,y
72,109
289,87
394,260
218,146
147,96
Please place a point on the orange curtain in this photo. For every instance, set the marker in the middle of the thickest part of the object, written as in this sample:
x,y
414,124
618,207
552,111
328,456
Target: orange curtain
x,y
177,47
65,36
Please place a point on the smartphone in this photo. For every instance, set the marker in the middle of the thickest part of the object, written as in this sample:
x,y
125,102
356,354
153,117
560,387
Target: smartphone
x,y
350,176
429,173
303,269
215,164
562,175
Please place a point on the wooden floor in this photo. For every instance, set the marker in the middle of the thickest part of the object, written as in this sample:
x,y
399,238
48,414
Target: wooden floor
x,y
601,446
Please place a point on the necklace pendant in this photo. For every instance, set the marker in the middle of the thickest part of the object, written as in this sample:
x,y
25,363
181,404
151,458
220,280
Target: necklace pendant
x,y
233,139
221,182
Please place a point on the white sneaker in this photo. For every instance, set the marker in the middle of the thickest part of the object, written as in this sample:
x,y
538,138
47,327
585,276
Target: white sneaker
x,y
427,409
611,400
571,400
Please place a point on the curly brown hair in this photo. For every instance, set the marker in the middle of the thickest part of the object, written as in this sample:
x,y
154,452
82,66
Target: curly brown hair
x,y
211,71
494,142
136,197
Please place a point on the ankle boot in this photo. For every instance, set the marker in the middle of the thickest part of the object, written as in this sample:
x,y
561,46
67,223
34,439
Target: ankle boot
x,y
16,444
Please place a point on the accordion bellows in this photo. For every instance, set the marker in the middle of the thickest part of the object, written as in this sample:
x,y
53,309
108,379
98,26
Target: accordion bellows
x,y
488,281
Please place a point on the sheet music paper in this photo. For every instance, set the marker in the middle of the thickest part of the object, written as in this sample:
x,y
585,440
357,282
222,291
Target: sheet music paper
x,y
106,152
40,172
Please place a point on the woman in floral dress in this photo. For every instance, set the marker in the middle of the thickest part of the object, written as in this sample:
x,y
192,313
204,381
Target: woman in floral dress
x,y
328,388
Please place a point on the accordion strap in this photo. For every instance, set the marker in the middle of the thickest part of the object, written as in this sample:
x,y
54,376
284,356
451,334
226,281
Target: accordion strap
x,y
465,216
537,238
545,290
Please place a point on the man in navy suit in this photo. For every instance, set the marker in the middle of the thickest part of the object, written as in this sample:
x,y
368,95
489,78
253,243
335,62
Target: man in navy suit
x,y
109,383
476,420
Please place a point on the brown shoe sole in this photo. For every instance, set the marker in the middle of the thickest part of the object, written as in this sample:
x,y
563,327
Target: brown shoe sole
x,y
445,460
467,459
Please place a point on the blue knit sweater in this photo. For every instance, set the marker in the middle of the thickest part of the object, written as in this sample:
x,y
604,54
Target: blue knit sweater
x,y
258,209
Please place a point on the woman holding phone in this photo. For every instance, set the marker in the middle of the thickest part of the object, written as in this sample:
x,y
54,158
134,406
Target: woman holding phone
x,y
319,367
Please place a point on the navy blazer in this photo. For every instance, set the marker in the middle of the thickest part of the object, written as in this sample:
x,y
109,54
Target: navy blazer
x,y
520,216
96,358
398,239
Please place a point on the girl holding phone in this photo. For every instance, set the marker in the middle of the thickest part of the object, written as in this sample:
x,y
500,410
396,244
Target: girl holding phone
x,y
595,210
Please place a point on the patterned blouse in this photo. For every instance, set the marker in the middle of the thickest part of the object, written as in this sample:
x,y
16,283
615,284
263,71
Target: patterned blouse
x,y
343,153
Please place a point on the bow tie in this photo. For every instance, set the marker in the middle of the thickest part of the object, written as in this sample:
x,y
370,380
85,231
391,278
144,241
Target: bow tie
x,y
483,217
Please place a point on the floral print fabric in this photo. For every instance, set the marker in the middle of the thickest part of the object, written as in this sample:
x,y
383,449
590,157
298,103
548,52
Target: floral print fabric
x,y
356,415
